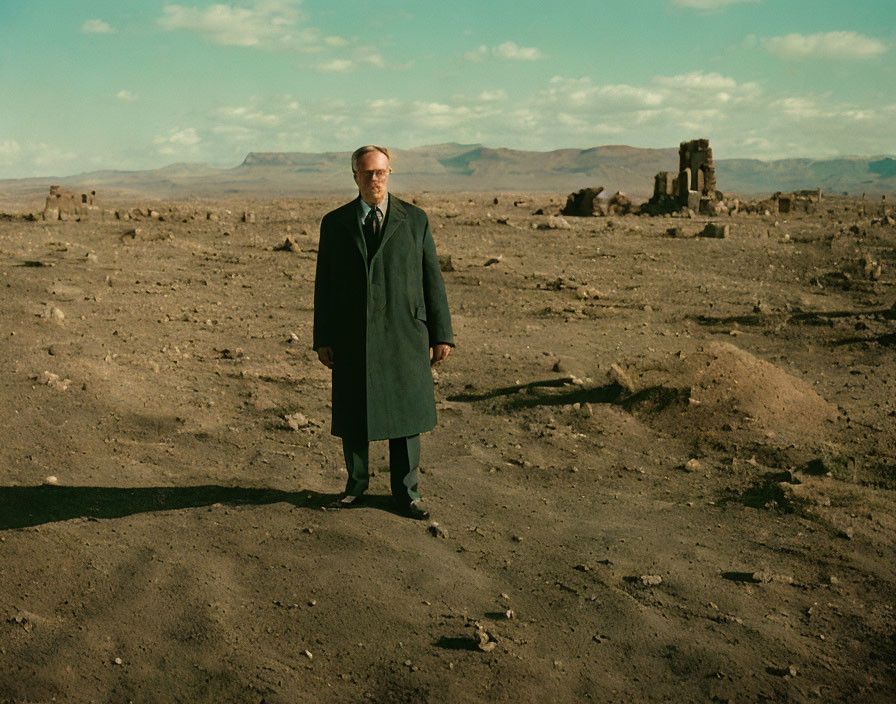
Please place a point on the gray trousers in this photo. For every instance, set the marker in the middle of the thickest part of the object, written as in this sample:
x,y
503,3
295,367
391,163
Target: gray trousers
x,y
404,463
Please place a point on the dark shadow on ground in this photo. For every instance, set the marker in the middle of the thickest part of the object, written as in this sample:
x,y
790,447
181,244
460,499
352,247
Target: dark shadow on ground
x,y
510,390
887,340
549,392
800,318
456,643
766,493
26,506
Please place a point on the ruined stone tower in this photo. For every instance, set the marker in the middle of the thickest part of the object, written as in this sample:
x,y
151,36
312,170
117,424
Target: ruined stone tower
x,y
693,187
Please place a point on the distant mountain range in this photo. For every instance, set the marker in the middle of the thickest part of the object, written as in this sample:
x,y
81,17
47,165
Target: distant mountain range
x,y
473,167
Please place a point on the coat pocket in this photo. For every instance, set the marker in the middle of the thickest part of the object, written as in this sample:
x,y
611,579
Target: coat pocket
x,y
420,313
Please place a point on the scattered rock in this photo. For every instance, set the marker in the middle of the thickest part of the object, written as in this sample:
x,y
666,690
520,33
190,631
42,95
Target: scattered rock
x,y
436,530
618,375
297,421
484,640
54,381
492,260
619,204
650,580
53,314
766,577
693,465
445,263
717,231
583,293
288,245
554,222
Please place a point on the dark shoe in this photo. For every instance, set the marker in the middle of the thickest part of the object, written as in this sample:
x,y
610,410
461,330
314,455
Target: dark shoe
x,y
415,510
347,501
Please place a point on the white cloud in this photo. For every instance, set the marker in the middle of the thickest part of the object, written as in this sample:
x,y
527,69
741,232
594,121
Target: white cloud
x,y
337,66
583,93
708,4
127,96
795,106
267,24
251,116
830,45
178,141
10,151
510,50
97,27
489,96
697,80
477,54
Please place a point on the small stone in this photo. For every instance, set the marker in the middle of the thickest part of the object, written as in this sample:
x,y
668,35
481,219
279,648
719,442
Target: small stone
x,y
296,421
484,641
309,655
53,314
52,479
651,580
768,577
693,465
792,671
288,245
436,530
717,231
619,375
117,661
445,263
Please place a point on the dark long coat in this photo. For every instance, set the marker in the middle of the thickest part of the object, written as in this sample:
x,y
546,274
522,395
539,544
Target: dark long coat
x,y
380,319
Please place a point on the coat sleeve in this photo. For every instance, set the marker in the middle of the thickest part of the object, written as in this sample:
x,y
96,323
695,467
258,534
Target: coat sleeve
x,y
438,318
323,294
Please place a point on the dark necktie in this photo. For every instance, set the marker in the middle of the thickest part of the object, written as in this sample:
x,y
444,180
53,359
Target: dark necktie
x,y
372,225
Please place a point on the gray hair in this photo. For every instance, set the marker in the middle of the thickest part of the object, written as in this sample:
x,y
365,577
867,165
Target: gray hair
x,y
361,151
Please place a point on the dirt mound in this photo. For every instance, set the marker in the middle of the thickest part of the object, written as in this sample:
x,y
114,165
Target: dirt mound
x,y
723,389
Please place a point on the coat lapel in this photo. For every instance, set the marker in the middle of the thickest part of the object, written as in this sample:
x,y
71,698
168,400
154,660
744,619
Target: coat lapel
x,y
353,227
394,220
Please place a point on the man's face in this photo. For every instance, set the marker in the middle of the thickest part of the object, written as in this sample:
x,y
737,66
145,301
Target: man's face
x,y
372,176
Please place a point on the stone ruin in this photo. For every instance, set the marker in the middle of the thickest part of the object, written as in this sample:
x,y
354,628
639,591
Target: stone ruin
x,y
586,203
693,187
67,205
583,203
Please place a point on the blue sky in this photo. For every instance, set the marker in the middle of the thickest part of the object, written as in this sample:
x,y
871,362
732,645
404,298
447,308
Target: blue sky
x,y
136,84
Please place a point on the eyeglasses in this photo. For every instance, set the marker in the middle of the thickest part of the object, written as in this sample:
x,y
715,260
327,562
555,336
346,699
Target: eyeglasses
x,y
374,173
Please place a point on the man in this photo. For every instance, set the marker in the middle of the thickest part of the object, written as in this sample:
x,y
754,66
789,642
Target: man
x,y
381,321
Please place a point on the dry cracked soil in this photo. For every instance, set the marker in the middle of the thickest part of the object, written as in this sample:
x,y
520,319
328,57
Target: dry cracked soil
x,y
664,469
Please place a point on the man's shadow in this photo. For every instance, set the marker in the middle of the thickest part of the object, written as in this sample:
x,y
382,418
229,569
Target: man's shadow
x,y
26,506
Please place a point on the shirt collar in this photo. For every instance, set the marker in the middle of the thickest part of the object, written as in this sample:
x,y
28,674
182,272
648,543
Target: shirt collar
x,y
383,206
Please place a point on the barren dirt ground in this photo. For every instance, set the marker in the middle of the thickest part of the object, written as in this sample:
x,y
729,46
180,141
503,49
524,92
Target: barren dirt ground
x,y
711,520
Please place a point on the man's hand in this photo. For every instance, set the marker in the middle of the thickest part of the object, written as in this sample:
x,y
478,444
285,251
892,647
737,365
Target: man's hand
x,y
325,355
438,353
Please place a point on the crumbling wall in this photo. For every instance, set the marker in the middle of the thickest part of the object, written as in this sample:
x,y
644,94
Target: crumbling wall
x,y
695,160
68,205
